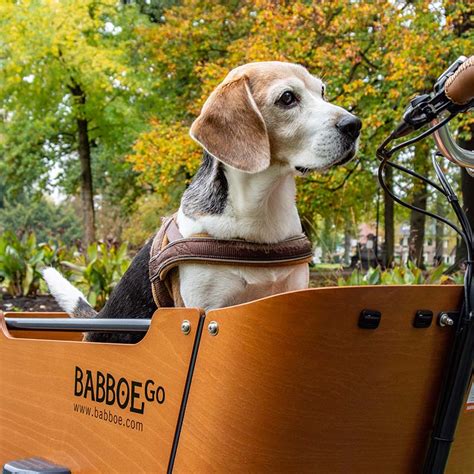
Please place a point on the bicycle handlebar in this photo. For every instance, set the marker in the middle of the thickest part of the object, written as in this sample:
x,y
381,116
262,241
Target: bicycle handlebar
x,y
459,88
453,92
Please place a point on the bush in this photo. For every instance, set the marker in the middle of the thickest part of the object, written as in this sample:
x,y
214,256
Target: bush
x,y
401,275
97,271
22,259
43,217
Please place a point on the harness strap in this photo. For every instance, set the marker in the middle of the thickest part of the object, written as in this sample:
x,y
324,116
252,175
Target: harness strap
x,y
169,249
159,289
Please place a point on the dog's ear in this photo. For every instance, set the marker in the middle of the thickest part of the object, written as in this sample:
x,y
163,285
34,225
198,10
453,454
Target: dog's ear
x,y
231,128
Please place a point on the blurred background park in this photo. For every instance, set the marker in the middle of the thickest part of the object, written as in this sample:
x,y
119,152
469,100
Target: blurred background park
x,y
96,99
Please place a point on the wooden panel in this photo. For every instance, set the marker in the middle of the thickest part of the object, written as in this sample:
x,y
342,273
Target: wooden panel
x,y
463,446
291,384
40,414
52,335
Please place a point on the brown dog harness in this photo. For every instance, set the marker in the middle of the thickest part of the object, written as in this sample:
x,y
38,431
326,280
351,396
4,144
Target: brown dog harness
x,y
169,249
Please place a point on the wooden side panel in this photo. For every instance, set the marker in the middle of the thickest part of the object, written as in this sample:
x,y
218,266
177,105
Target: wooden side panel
x,y
55,401
54,335
461,456
291,384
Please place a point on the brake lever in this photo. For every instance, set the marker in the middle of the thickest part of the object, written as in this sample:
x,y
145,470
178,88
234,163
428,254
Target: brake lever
x,y
424,108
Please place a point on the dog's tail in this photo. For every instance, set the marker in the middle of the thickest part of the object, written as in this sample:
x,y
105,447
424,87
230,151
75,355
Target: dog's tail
x,y
68,297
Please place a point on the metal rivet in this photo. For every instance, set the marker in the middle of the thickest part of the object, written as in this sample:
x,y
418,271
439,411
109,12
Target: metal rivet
x,y
445,320
185,327
213,328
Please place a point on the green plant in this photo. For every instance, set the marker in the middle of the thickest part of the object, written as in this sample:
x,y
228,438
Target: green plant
x,y
26,214
458,278
408,274
21,260
98,270
95,272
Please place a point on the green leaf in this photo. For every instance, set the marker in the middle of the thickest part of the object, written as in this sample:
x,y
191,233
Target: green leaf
x,y
77,268
92,252
436,274
374,276
27,280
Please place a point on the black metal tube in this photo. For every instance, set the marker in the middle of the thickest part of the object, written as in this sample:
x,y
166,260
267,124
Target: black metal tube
x,y
78,325
452,397
461,358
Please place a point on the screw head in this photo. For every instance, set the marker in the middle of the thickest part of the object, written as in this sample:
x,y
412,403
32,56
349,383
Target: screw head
x,y
185,327
445,320
213,328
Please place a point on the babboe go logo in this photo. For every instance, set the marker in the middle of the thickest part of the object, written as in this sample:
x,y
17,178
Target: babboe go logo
x,y
127,394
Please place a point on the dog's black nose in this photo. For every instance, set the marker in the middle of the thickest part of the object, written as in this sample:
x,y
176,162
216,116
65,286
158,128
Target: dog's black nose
x,y
350,125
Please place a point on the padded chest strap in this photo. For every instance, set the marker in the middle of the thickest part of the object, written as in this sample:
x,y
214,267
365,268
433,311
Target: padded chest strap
x,y
169,249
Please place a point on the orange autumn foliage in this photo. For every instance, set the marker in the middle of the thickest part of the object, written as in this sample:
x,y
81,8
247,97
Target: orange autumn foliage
x,y
373,56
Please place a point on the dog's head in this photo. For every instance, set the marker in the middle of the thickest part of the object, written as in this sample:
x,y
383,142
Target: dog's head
x,y
269,112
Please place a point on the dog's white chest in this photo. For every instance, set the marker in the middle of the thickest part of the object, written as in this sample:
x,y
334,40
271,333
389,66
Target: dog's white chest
x,y
216,286
260,208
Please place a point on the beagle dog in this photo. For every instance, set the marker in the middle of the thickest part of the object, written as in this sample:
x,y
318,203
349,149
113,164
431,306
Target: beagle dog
x,y
266,123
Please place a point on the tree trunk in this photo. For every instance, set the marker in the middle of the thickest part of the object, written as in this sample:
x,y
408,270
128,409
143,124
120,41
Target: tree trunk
x,y
326,241
439,230
417,229
347,246
467,190
417,219
87,193
87,190
389,219
467,186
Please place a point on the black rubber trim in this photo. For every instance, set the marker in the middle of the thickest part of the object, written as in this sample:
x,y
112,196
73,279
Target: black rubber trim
x,y
187,388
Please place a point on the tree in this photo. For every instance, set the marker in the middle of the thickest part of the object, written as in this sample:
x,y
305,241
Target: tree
x,y
374,56
440,210
42,217
419,200
74,93
204,42
389,219
154,9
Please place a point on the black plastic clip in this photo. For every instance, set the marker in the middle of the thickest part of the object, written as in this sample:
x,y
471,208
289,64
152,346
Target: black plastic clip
x,y
369,319
423,318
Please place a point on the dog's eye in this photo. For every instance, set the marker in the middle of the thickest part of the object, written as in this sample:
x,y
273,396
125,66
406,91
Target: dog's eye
x,y
323,92
287,99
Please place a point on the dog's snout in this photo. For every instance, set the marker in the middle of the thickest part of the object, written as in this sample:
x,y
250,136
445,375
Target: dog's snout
x,y
350,125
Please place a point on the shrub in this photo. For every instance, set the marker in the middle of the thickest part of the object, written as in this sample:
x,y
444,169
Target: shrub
x,y
22,259
98,270
400,275
44,218
95,272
